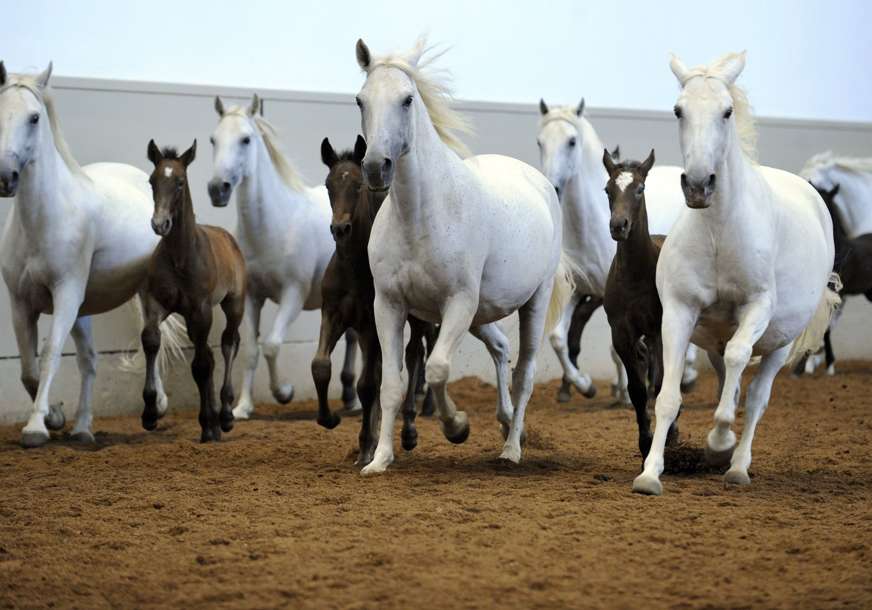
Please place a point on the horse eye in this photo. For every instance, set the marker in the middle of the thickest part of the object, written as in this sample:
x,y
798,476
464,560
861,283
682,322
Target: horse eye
x,y
358,102
640,190
728,113
677,111
538,143
212,140
34,118
246,140
407,102
572,142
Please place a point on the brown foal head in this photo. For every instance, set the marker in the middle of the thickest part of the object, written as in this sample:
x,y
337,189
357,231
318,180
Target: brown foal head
x,y
169,185
626,191
344,182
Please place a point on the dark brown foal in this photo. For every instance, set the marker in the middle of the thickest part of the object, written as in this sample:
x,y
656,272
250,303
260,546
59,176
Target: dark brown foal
x,y
348,293
631,300
193,268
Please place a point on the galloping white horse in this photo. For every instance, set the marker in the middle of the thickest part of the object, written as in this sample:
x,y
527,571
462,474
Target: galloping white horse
x,y
283,231
745,269
461,242
854,177
571,153
76,243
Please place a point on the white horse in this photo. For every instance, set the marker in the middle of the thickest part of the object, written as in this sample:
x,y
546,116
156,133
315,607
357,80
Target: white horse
x,y
571,152
460,242
283,231
745,269
76,243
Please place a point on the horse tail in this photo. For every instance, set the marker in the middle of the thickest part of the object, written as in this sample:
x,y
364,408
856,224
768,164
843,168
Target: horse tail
x,y
811,339
173,333
564,286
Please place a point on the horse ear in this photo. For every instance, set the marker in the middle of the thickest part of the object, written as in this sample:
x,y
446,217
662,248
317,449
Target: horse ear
x,y
189,155
328,155
359,149
647,164
616,153
364,57
580,109
154,154
543,107
678,68
2,74
255,105
834,191
729,67
608,162
219,106
44,76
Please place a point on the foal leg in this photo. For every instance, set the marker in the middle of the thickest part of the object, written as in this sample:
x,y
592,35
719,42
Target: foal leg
x,y
580,317
558,341
624,342
367,391
498,346
332,327
753,319
234,308
253,306
531,328
202,368
755,405
153,315
830,356
414,356
677,327
66,300
86,359
349,394
289,308
619,388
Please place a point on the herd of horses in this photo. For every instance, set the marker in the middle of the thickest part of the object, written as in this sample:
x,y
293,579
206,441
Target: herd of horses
x,y
412,228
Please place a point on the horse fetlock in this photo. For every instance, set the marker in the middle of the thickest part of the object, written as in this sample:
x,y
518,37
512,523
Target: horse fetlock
x,y
512,452
737,476
719,447
283,393
55,418
243,410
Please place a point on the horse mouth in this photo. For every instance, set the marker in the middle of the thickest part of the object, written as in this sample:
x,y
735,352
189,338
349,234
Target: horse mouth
x,y
379,189
698,203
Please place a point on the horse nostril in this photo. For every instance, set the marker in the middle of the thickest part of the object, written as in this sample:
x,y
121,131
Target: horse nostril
x,y
14,176
225,186
387,164
557,189
711,181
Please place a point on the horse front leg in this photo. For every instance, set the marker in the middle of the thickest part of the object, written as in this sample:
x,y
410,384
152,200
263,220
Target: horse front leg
x,y
202,368
558,339
753,318
498,347
580,317
24,323
332,327
349,392
153,315
289,308
624,342
86,359
66,300
234,311
251,326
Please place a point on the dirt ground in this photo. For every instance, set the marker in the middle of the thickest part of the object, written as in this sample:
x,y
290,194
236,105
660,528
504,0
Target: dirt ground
x,y
278,516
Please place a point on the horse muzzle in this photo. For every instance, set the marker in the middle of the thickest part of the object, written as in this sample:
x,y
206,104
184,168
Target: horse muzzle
x,y
162,227
619,229
9,184
379,173
219,192
698,194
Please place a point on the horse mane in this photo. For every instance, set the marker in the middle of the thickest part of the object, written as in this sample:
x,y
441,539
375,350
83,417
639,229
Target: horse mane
x,y
827,160
286,170
46,98
169,152
345,155
436,94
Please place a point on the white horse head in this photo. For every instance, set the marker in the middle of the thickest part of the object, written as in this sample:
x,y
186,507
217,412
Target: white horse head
x,y
23,124
711,111
396,94
234,155
560,141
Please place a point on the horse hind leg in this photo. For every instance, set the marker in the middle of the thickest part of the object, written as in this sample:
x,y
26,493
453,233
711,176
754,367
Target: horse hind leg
x,y
86,359
251,327
558,340
290,307
498,346
202,369
414,356
349,393
234,308
619,387
625,345
580,317
428,407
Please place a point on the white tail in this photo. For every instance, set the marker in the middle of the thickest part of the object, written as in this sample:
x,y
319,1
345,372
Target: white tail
x,y
564,286
173,339
811,339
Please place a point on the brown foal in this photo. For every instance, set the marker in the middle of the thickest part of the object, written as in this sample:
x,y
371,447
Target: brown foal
x,y
347,300
631,300
193,268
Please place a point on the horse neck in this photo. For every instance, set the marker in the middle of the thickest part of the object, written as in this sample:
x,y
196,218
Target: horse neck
x,y
264,197
637,253
421,174
42,188
585,204
182,239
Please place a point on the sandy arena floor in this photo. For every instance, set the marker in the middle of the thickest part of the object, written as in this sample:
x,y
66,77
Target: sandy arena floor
x,y
278,516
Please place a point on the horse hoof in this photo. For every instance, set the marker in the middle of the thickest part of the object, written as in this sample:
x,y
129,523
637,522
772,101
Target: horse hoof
x,y
590,392
83,437
410,438
375,467
511,454
210,434
647,485
55,418
226,421
718,458
330,421
457,431
242,412
831,370
564,395
284,394
149,422
32,440
736,476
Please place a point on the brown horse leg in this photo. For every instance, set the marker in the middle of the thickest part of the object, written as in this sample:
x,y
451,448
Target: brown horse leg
x,y
367,388
234,308
414,355
624,342
202,368
828,351
332,327
153,316
349,392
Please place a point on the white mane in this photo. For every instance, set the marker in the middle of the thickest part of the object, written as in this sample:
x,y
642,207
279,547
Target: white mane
x,y
286,170
826,160
434,90
45,98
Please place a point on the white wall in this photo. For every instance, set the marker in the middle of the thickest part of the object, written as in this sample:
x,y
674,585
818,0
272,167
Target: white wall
x,y
108,120
806,59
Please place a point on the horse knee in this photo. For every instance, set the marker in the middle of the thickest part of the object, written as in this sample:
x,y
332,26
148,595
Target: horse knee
x,y
437,371
271,349
321,369
150,340
202,365
737,354
558,341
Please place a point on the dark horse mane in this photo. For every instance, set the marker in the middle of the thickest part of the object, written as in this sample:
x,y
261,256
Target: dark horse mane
x,y
346,155
169,152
